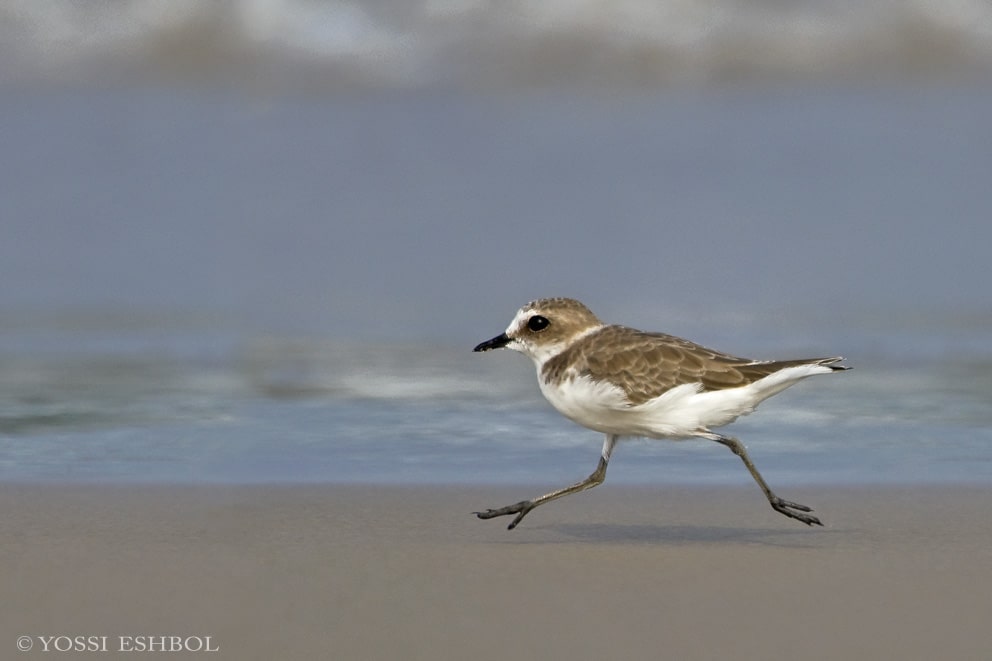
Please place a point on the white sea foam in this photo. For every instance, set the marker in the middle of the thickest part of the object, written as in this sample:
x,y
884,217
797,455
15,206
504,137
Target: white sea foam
x,y
286,409
483,43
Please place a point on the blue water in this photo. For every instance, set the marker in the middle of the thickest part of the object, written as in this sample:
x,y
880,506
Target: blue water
x,y
259,247
146,405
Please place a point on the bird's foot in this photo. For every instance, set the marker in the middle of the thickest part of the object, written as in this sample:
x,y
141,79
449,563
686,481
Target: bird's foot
x,y
520,509
794,511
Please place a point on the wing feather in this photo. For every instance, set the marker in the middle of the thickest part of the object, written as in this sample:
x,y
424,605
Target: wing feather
x,y
646,365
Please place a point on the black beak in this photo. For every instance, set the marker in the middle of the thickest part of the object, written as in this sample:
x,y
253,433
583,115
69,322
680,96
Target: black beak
x,y
497,342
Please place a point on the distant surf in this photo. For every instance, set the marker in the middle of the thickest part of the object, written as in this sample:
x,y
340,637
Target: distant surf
x,y
490,45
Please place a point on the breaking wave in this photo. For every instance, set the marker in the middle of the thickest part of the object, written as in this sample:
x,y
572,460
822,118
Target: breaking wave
x,y
488,44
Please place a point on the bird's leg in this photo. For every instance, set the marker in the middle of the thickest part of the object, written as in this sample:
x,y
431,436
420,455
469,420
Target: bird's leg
x,y
791,510
524,506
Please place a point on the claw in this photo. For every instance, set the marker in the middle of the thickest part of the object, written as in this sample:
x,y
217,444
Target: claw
x,y
488,514
520,509
785,507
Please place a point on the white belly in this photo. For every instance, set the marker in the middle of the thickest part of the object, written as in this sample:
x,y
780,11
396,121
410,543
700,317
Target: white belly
x,y
681,412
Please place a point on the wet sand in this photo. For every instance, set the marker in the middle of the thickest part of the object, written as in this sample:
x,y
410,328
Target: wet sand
x,y
366,572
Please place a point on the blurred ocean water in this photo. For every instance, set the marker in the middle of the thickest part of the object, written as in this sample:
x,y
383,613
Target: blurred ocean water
x,y
481,44
256,241
183,405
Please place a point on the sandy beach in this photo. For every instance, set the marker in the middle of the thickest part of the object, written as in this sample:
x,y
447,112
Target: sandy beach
x,y
366,572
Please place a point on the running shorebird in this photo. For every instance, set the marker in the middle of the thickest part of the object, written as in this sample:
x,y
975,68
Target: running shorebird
x,y
625,382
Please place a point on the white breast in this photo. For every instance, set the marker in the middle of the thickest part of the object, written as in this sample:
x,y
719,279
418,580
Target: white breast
x,y
597,405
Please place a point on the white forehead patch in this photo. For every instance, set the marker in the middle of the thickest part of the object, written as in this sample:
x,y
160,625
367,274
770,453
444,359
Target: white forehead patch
x,y
519,320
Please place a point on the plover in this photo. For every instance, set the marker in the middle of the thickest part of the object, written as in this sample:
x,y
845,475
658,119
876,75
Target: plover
x,y
628,383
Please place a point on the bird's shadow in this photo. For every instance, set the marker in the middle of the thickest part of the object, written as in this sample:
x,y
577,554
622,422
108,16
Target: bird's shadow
x,y
678,535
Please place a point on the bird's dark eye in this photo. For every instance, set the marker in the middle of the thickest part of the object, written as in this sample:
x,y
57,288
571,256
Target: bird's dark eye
x,y
537,323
